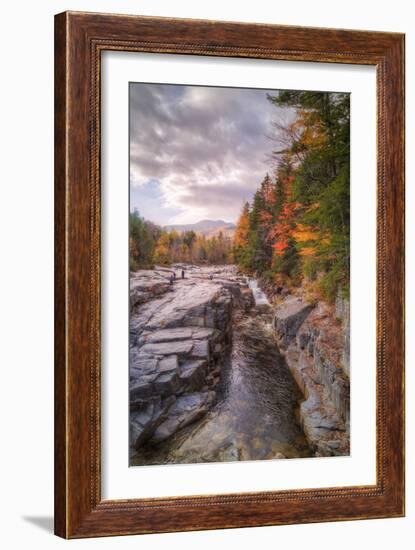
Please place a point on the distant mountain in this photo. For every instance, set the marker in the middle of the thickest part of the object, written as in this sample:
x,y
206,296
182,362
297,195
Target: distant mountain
x,y
209,228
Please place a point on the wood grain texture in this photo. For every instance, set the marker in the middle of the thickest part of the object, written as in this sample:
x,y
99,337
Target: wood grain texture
x,y
60,277
79,40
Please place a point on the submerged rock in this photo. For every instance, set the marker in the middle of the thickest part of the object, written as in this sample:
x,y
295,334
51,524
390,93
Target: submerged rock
x,y
279,456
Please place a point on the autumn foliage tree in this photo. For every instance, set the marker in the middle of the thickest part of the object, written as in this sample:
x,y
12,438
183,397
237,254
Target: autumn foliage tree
x,y
240,242
189,247
299,222
150,244
297,226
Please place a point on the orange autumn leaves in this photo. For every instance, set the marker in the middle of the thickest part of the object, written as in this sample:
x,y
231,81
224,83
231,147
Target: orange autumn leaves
x,y
275,220
298,223
283,229
281,220
242,229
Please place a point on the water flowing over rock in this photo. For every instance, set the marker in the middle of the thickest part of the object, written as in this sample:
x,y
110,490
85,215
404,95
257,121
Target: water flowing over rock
x,y
254,416
260,298
217,373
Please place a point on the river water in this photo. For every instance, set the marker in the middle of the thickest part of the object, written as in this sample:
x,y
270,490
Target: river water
x,y
255,415
260,298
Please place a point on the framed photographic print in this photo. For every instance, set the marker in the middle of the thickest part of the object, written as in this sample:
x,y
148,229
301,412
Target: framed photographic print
x,y
229,275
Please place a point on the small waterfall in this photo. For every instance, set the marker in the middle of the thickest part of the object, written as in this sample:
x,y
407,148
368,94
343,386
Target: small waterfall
x,y
259,296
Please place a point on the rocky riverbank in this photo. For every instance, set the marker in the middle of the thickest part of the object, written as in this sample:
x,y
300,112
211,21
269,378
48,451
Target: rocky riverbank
x,y
180,332
214,378
314,340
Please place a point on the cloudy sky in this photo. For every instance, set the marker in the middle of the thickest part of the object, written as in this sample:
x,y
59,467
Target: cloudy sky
x,y
197,152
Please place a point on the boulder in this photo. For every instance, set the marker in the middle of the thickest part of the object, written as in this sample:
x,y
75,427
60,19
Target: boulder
x,y
193,374
146,286
141,363
279,456
289,316
144,421
186,410
141,388
168,363
200,349
166,383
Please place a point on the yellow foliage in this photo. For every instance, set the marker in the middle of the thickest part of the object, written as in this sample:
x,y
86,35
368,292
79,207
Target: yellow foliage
x,y
308,251
304,233
242,228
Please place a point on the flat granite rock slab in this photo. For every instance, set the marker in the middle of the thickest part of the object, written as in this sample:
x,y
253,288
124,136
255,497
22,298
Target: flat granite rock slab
x,y
193,374
167,383
292,306
143,422
187,409
140,389
182,347
200,333
200,349
167,335
168,363
289,316
144,362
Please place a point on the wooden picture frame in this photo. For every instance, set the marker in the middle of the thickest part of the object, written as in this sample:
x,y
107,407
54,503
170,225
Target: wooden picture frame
x,y
79,40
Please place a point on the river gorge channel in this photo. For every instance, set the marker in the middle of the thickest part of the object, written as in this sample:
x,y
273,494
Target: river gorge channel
x,y
218,373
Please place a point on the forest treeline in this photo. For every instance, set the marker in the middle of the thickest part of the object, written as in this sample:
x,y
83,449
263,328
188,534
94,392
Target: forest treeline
x,y
150,244
298,224
296,229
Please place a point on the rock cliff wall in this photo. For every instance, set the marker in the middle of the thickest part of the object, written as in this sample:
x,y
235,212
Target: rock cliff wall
x,y
313,339
179,336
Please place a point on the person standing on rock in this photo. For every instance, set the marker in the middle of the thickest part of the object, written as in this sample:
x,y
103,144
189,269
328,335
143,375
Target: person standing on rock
x,y
171,280
182,273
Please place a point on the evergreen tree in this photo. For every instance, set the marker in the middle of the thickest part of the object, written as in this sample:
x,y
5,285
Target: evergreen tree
x,y
322,181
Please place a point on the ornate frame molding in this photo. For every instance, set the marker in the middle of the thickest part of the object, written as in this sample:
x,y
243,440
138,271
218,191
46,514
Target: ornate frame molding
x,y
79,40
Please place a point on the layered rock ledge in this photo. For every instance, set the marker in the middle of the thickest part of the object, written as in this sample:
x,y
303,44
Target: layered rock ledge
x,y
180,333
313,338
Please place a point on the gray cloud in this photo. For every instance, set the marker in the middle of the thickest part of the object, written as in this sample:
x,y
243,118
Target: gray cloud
x,y
206,147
